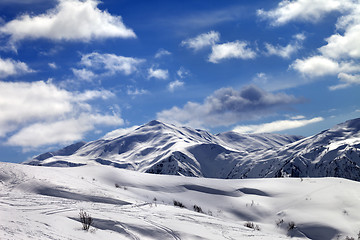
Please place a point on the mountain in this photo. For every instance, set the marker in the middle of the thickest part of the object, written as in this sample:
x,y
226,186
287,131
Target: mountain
x,y
66,151
162,148
331,153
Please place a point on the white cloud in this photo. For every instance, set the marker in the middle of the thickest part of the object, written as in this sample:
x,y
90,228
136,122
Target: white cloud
x,y
161,53
305,10
10,67
346,80
92,94
52,65
235,49
110,63
69,20
201,41
227,106
276,126
316,66
284,52
175,85
83,74
288,50
158,73
27,107
119,132
63,131
340,55
343,46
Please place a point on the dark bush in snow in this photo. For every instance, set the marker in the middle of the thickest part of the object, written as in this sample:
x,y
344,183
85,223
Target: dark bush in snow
x,y
198,209
85,219
252,226
178,204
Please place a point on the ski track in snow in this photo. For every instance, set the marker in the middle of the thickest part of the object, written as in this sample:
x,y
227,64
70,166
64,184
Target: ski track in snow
x,y
165,229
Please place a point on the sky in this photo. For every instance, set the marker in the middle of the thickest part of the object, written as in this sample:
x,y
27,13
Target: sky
x,y
75,70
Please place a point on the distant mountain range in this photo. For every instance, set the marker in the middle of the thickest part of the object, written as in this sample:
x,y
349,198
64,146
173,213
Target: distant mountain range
x,y
163,148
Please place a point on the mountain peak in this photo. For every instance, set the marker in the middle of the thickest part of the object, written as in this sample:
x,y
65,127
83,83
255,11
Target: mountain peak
x,y
154,123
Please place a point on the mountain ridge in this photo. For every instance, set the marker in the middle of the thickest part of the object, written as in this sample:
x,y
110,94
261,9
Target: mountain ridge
x,y
163,148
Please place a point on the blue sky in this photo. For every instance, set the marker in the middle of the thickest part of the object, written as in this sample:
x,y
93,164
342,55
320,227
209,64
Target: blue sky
x,y
74,70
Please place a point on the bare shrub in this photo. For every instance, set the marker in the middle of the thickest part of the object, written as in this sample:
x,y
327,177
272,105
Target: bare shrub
x,y
85,219
349,238
279,222
198,209
178,204
252,226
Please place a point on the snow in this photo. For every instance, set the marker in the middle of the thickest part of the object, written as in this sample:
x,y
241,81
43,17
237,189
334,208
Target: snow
x,y
38,202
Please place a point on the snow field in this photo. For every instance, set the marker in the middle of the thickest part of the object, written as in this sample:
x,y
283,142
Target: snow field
x,y
44,203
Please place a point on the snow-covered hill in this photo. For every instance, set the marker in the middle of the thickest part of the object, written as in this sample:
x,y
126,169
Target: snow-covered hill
x,y
163,148
38,202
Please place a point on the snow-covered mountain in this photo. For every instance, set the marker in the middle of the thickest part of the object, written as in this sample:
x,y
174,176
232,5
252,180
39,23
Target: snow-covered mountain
x,y
331,153
163,148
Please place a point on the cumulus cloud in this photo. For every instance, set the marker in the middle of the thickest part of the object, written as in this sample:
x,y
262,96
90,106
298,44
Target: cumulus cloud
x,y
158,73
344,46
31,112
110,64
69,20
227,106
175,85
276,126
341,53
237,49
305,10
10,67
316,66
201,41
